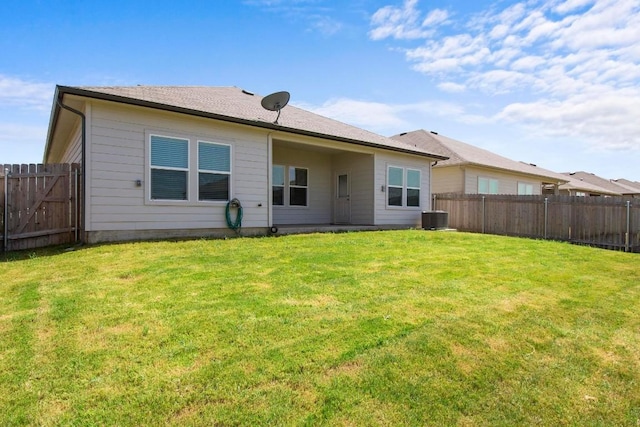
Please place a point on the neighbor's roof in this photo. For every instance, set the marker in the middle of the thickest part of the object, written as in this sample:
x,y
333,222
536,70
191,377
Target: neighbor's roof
x,y
460,153
236,105
625,183
610,185
578,184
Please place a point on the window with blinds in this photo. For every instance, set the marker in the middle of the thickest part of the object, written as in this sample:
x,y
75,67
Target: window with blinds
x,y
169,168
214,171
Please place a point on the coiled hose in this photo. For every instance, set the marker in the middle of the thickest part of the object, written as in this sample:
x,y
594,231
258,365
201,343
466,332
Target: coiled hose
x,y
237,223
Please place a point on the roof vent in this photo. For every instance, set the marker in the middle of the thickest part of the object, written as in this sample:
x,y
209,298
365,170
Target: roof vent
x,y
434,132
246,92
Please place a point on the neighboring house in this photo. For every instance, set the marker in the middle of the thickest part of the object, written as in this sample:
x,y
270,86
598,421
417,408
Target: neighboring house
x,y
632,186
166,161
620,187
579,187
473,170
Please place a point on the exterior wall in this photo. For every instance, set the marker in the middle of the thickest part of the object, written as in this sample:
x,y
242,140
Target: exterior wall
x,y
388,215
360,168
118,207
507,183
319,189
73,153
447,179
118,148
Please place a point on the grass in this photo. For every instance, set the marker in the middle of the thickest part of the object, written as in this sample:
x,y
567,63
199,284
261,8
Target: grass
x,y
375,328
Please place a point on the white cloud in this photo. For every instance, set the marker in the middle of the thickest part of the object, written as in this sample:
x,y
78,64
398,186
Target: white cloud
x,y
575,62
369,115
403,23
20,93
390,118
451,87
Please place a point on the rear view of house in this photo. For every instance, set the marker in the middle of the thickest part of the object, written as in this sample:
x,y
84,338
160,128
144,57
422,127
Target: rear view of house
x,y
167,161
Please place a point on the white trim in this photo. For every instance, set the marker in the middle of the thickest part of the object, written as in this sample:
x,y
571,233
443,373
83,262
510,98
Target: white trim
x,y
192,170
230,173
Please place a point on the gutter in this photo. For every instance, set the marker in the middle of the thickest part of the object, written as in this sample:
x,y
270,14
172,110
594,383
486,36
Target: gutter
x,y
265,125
83,143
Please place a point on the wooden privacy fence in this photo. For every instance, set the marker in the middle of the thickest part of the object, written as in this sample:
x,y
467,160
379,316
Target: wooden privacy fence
x,y
607,222
40,205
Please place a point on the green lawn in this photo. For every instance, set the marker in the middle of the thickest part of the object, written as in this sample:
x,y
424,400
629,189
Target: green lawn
x,y
372,328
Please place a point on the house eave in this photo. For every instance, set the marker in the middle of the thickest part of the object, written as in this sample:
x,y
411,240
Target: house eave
x,y
544,178
64,90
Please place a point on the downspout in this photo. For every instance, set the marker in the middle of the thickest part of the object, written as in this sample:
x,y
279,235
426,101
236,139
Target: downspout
x,y
83,143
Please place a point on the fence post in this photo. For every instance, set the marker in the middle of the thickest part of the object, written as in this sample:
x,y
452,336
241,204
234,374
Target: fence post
x,y
483,213
626,236
546,215
5,214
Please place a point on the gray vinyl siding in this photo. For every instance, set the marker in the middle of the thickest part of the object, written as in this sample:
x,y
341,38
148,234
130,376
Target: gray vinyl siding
x,y
118,149
507,182
318,164
387,215
73,152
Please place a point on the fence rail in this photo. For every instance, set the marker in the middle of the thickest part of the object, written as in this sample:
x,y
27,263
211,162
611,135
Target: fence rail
x,y
40,205
607,222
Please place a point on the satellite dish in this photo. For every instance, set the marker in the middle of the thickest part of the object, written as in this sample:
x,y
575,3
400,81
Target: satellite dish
x,y
275,102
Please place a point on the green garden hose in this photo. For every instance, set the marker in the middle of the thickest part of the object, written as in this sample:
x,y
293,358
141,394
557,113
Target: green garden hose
x,y
234,225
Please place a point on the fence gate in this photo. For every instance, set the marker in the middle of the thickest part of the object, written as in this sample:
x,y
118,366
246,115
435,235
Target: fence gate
x,y
40,205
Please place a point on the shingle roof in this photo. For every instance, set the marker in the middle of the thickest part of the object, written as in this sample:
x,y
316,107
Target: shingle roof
x,y
603,182
625,183
240,106
460,153
581,185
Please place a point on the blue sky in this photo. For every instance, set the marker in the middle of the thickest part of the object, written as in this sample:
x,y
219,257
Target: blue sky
x,y
554,82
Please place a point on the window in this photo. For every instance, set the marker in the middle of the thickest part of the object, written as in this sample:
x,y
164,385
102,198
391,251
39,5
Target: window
x,y
413,187
169,168
395,186
214,171
188,170
525,189
403,187
278,185
289,186
487,185
298,186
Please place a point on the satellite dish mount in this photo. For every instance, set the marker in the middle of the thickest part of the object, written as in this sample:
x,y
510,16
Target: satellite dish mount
x,y
275,102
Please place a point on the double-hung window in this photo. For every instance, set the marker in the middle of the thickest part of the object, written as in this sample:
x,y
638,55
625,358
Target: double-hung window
x,y
169,168
189,170
293,191
403,187
298,186
214,171
487,185
278,185
525,189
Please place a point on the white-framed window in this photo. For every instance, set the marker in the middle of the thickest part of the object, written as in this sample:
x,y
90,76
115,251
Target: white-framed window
x,y
487,185
525,189
413,188
289,186
403,187
298,186
184,169
169,164
277,187
214,171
